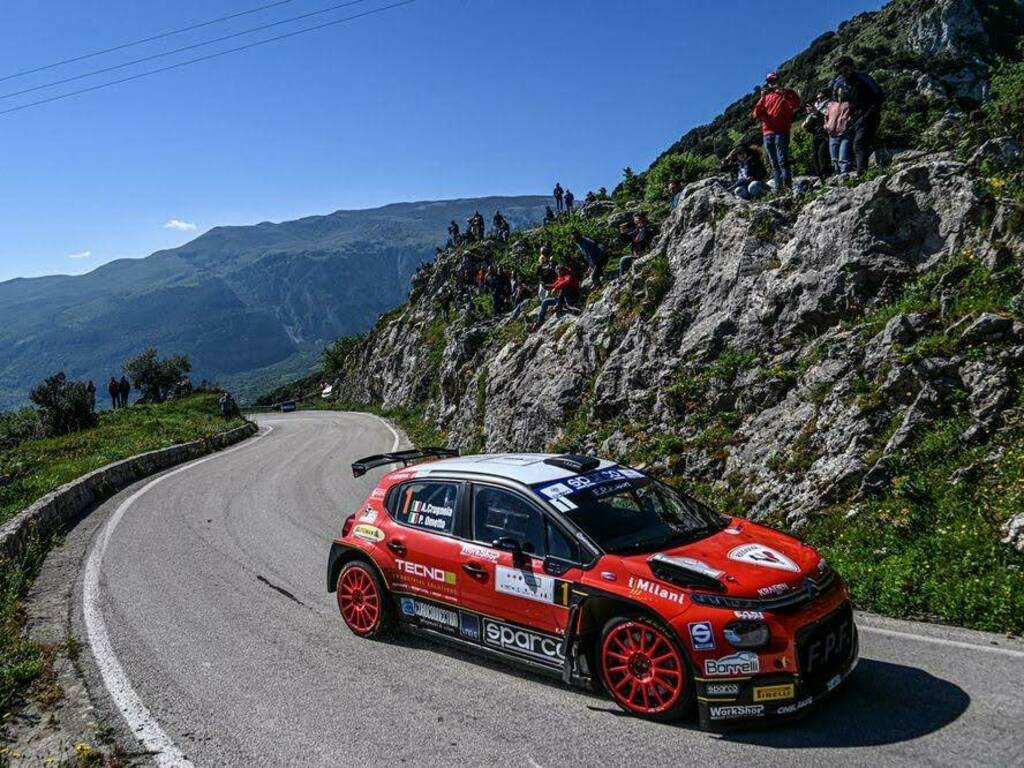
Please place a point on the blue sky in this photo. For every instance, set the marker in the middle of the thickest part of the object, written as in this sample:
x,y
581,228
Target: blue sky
x,y
439,99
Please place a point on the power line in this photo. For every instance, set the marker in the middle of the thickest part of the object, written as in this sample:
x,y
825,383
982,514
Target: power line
x,y
160,36
206,58
191,47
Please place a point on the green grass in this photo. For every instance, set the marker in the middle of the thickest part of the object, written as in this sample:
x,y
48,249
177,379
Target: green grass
x,y
37,467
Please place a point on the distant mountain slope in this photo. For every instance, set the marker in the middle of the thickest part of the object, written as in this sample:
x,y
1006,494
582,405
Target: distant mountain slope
x,y
243,302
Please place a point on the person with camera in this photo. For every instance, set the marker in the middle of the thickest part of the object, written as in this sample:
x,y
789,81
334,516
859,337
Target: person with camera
x,y
775,110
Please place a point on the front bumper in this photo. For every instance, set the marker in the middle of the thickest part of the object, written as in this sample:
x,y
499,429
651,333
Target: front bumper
x,y
724,703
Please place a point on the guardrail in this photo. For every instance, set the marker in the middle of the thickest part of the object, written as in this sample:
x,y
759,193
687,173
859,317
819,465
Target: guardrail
x,y
57,509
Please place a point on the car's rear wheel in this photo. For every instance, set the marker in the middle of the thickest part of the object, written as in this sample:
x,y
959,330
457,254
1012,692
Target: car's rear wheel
x,y
644,669
364,602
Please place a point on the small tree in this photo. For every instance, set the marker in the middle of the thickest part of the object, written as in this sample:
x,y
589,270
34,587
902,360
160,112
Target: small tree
x,y
679,166
155,378
630,188
336,355
64,406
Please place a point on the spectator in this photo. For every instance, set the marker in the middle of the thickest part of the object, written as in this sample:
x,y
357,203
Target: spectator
x,y
675,191
569,200
750,174
814,124
559,196
775,109
115,394
567,288
444,298
470,230
545,267
549,215
837,123
124,388
590,197
481,279
90,390
639,236
502,229
866,98
454,234
592,253
228,406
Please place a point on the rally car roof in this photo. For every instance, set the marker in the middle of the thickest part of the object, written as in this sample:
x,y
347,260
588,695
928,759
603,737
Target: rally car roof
x,y
527,468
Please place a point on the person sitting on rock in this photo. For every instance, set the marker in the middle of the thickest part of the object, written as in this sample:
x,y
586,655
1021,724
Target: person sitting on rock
x,y
866,97
592,253
521,296
675,191
750,173
814,124
590,197
545,268
549,215
567,289
775,110
639,236
837,124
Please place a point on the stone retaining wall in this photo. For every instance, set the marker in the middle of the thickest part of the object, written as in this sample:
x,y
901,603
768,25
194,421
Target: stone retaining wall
x,y
59,508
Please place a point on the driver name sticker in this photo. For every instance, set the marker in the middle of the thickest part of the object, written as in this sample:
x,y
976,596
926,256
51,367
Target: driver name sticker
x,y
766,557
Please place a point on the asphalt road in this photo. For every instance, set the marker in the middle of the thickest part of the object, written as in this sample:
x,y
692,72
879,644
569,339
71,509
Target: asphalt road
x,y
221,643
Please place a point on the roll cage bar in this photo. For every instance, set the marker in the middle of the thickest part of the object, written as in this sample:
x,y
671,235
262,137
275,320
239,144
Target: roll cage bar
x,y
362,466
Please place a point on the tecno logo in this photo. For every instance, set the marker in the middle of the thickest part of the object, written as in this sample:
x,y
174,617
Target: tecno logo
x,y
425,572
523,641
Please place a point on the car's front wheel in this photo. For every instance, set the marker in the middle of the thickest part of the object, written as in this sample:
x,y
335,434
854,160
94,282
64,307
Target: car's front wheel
x,y
644,669
364,602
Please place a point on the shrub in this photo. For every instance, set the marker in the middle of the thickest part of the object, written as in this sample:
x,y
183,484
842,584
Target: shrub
x,y
1005,108
154,377
18,426
630,188
681,166
64,406
336,354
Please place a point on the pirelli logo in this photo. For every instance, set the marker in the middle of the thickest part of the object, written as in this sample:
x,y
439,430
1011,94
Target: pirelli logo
x,y
774,692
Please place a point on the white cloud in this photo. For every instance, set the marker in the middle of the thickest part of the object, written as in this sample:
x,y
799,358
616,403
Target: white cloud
x,y
81,255
181,226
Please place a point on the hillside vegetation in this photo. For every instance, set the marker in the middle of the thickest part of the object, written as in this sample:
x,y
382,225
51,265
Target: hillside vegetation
x,y
845,363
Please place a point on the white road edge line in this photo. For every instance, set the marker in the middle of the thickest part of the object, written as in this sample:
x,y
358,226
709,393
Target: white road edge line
x,y
145,727
386,423
942,641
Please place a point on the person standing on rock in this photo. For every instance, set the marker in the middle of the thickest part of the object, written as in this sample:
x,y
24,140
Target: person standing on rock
x,y
453,233
115,394
837,123
814,124
592,253
866,97
124,388
775,109
559,196
569,200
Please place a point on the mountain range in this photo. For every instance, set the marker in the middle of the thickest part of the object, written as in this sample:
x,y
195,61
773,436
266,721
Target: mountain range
x,y
250,305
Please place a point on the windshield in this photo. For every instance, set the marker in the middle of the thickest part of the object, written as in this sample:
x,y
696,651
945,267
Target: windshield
x,y
624,511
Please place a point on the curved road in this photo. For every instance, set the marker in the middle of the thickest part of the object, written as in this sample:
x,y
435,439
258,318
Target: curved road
x,y
211,597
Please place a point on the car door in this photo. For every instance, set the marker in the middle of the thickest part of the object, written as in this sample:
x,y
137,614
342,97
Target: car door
x,y
511,589
424,556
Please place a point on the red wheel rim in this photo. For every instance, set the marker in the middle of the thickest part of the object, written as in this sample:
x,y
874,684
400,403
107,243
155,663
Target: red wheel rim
x,y
642,668
358,599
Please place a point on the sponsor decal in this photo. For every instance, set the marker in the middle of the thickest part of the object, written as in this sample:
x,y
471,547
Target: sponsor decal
x,y
774,692
702,636
791,708
632,474
741,663
759,554
469,625
587,482
368,532
733,530
369,515
439,575
378,493
749,615
433,614
609,489
408,606
736,710
722,689
523,642
642,588
831,684
512,581
826,648
481,553
774,589
556,490
689,563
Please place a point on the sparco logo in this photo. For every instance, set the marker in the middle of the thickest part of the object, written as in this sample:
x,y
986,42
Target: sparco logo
x,y
522,641
724,713
639,587
742,663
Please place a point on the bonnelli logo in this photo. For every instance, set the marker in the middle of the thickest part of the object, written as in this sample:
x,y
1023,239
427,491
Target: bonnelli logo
x,y
742,663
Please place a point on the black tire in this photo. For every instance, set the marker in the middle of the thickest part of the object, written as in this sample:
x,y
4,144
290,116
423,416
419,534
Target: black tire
x,y
365,604
630,684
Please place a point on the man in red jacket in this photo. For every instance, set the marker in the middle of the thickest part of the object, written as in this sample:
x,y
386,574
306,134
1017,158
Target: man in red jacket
x,y
775,109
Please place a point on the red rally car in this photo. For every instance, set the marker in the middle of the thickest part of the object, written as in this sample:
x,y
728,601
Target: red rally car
x,y
599,574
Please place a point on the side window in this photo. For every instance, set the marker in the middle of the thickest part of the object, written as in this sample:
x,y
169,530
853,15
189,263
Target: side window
x,y
560,545
427,505
498,513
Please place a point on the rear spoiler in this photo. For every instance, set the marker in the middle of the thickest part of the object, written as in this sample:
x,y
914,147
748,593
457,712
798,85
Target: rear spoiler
x,y
361,467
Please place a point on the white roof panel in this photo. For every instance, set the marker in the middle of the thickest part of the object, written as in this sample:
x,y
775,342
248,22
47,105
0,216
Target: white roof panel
x,y
528,468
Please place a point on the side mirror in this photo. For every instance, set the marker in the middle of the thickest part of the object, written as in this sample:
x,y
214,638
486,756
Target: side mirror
x,y
556,566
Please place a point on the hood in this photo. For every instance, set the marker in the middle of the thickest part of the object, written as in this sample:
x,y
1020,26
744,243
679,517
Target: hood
x,y
742,560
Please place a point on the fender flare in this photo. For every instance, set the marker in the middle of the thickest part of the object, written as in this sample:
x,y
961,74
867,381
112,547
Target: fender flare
x,y
341,554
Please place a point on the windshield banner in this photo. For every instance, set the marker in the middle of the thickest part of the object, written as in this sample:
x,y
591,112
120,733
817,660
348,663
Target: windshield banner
x,y
601,482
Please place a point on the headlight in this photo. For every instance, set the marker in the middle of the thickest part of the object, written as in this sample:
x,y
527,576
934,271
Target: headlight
x,y
747,634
